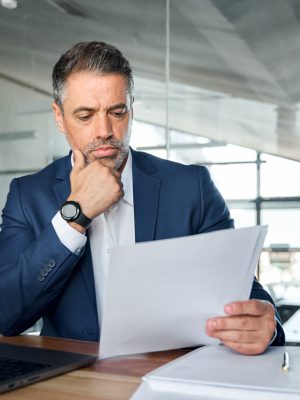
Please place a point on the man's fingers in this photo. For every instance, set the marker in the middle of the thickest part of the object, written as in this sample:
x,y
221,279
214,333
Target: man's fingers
x,y
233,323
243,336
247,328
79,161
246,348
113,171
238,336
249,307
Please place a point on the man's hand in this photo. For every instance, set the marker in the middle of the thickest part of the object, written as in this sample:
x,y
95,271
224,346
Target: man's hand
x,y
247,329
95,186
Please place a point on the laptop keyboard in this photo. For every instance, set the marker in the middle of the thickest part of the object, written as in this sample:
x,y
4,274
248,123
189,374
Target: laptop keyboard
x,y
11,368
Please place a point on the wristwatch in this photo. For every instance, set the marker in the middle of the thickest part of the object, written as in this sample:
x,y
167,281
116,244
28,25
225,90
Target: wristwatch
x,y
71,212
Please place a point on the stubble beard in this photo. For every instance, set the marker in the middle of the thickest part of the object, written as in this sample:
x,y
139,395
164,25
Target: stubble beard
x,y
117,159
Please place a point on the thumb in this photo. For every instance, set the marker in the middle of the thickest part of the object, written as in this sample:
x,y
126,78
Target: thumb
x,y
79,161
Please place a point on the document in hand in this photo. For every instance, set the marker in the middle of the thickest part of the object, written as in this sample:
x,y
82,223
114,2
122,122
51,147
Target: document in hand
x,y
159,294
216,372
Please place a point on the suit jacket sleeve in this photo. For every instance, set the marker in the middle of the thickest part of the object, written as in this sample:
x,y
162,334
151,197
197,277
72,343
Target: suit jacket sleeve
x,y
34,269
258,292
215,213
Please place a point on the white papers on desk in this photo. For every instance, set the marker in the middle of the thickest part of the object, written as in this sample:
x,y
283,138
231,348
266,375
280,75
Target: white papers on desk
x,y
160,294
216,372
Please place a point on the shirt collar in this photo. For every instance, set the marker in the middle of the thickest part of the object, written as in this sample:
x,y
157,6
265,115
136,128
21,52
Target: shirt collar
x,y
126,178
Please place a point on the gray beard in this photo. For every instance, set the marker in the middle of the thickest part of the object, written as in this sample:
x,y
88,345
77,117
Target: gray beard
x,y
118,159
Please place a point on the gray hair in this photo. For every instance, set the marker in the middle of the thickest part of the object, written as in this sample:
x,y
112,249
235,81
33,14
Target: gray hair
x,y
89,56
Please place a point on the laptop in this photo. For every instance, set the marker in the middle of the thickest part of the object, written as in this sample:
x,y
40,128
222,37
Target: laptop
x,y
20,365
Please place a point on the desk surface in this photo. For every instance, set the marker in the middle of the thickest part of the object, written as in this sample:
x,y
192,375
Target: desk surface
x,y
110,379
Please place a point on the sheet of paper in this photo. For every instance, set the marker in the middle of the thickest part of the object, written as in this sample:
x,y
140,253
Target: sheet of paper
x,y
219,373
160,294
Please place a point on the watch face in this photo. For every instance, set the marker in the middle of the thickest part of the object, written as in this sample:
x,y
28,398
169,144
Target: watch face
x,y
70,211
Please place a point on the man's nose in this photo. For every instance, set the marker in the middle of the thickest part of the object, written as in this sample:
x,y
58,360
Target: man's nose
x,y
104,128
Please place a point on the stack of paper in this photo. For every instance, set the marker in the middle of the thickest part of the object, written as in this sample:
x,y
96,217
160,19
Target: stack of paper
x,y
216,372
160,294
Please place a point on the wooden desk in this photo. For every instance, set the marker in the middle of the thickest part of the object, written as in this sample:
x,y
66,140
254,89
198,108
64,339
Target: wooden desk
x,y
111,379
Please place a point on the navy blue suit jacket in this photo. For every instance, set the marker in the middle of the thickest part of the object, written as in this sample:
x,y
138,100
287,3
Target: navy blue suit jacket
x,y
42,278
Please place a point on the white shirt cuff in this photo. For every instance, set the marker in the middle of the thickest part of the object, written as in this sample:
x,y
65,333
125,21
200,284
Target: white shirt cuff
x,y
73,240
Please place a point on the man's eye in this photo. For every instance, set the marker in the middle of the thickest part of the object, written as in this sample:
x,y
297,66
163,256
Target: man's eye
x,y
119,113
84,117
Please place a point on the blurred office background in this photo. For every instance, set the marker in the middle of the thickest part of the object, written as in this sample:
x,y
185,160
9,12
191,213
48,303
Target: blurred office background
x,y
217,82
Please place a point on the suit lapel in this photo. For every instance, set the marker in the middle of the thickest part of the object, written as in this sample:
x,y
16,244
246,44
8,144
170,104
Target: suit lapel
x,y
146,189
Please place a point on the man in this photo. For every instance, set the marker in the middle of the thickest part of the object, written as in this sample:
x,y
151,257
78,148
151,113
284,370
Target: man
x,y
59,223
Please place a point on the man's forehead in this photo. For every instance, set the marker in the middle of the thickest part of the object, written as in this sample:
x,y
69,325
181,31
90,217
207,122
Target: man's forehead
x,y
87,77
112,87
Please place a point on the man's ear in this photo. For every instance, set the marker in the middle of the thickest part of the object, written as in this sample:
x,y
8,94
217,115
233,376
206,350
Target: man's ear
x,y
58,117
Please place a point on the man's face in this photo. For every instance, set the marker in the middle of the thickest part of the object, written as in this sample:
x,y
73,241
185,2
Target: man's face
x,y
96,116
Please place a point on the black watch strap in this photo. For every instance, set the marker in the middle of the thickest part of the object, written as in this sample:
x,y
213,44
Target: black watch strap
x,y
83,220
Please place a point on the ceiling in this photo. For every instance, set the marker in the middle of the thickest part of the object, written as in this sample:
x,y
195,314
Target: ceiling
x,y
234,64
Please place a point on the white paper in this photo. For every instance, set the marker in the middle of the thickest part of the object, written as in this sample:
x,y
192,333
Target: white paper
x,y
217,372
160,294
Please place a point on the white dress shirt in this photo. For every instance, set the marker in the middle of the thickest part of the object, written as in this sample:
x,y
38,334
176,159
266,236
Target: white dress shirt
x,y
114,227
